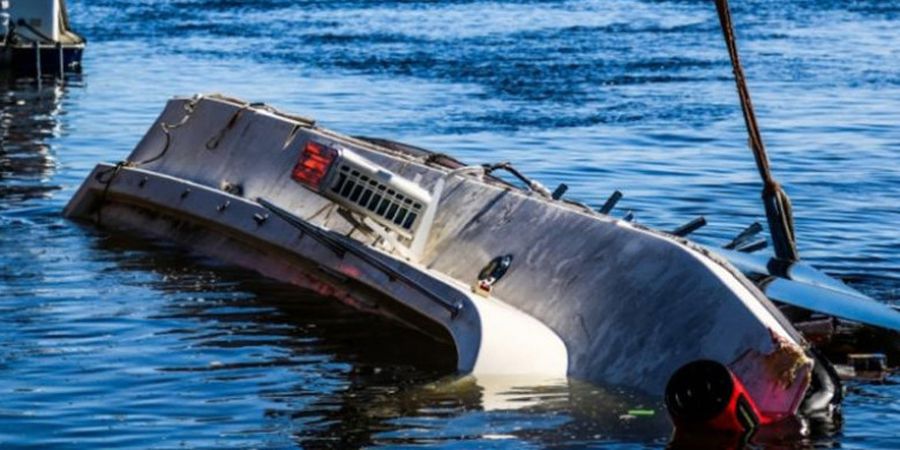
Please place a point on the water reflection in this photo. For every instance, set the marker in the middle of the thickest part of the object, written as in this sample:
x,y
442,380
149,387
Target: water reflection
x,y
540,411
29,120
261,358
107,342
333,377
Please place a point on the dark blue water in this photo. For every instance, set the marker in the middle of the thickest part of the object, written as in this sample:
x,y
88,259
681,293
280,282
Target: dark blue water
x,y
109,341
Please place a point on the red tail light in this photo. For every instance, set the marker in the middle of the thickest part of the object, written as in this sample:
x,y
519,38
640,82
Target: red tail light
x,y
313,164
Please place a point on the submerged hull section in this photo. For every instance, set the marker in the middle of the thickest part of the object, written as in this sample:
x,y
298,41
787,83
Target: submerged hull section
x,y
48,59
585,295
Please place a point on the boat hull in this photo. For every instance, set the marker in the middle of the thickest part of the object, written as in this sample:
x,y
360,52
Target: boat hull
x,y
587,295
23,60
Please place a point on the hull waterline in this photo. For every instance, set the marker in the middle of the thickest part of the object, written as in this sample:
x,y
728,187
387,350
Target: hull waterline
x,y
586,295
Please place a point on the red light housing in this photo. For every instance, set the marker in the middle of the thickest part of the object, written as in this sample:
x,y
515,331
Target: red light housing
x,y
705,395
313,164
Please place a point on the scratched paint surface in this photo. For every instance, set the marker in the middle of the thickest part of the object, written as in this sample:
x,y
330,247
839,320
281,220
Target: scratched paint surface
x,y
115,342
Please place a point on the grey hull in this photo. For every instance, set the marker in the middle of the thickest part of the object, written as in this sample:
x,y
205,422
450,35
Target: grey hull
x,y
628,305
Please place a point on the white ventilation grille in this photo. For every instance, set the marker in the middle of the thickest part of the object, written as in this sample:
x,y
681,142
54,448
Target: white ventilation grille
x,y
374,192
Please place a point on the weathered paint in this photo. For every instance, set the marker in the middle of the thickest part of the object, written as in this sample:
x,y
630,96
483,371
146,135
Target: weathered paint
x,y
194,215
630,305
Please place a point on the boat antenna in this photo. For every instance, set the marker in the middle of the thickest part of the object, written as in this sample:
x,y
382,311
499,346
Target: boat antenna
x,y
776,201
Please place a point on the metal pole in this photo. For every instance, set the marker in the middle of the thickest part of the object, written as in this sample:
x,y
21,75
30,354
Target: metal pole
x,y
37,63
775,200
62,61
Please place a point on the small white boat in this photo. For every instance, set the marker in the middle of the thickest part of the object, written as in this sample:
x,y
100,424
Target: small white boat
x,y
36,38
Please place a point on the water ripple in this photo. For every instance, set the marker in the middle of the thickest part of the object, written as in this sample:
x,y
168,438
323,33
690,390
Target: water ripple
x,y
116,341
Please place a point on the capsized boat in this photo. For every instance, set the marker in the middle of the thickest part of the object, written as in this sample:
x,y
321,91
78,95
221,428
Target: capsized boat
x,y
518,278
36,38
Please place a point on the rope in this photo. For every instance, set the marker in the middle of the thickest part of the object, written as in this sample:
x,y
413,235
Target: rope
x,y
531,184
328,207
778,206
302,119
107,177
113,172
756,142
167,128
213,142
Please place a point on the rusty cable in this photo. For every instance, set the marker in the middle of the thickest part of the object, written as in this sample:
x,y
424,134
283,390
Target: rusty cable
x,y
777,204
